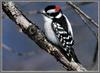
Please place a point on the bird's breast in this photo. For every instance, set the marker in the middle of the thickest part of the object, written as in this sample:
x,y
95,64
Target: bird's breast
x,y
50,34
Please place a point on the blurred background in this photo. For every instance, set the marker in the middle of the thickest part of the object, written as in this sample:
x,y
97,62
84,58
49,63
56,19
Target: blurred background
x,y
19,53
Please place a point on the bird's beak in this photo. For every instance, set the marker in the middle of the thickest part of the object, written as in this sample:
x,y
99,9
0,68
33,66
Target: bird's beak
x,y
43,13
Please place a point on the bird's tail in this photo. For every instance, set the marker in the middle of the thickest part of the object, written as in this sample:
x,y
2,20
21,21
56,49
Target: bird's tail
x,y
71,56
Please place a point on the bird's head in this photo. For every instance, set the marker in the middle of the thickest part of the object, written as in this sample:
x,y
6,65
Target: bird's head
x,y
52,11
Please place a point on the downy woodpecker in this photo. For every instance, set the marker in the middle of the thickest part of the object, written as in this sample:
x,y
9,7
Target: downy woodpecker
x,y
58,31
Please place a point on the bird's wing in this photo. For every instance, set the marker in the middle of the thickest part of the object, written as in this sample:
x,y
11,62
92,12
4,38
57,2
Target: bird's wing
x,y
64,37
66,41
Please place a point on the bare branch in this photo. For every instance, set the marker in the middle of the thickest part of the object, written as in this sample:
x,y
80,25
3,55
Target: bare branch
x,y
37,36
87,20
81,13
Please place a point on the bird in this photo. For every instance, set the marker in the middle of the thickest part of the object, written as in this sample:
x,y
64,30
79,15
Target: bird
x,y
58,31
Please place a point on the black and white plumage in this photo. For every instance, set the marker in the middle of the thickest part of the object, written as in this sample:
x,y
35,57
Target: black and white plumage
x,y
58,30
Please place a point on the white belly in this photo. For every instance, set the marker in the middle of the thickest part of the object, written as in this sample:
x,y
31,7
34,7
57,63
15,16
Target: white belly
x,y
49,32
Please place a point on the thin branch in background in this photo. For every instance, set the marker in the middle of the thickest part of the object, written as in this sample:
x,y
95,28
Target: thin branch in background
x,y
12,50
7,48
77,9
87,20
37,36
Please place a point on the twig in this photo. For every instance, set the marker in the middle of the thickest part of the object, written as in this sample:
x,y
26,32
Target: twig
x,y
87,20
83,17
79,11
37,36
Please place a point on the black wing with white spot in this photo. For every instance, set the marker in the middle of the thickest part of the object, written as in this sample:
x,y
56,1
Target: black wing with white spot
x,y
65,38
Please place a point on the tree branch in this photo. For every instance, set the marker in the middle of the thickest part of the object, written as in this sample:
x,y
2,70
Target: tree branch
x,y
87,20
37,36
81,13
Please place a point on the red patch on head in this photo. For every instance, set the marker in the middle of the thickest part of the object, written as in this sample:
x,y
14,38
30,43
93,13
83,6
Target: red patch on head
x,y
57,8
